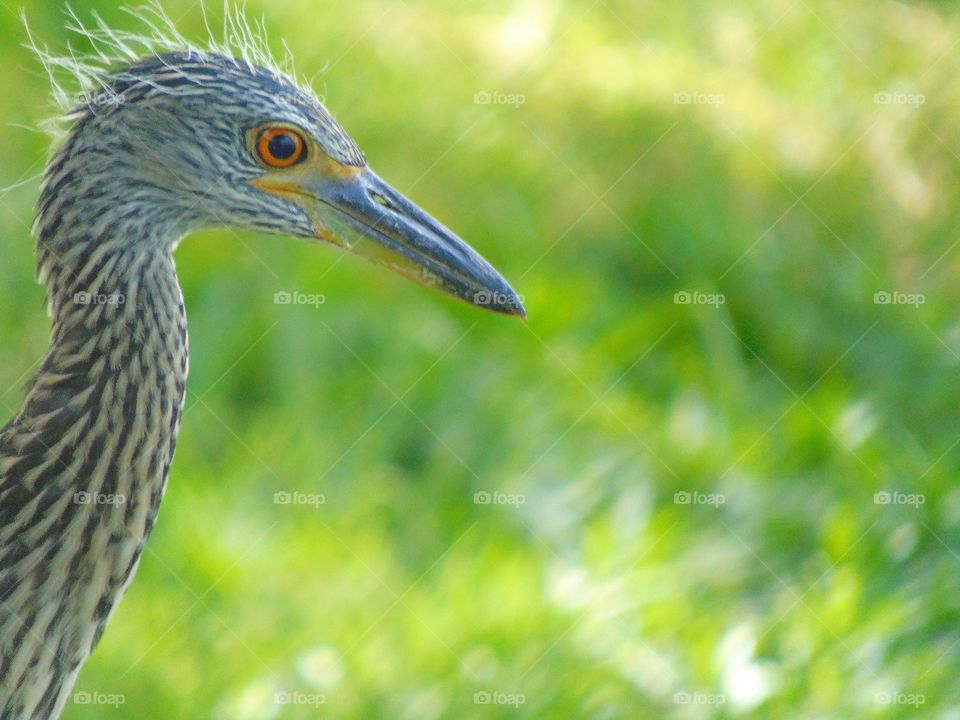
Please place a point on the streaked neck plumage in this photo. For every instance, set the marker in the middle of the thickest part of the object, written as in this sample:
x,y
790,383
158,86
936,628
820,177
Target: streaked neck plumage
x,y
84,464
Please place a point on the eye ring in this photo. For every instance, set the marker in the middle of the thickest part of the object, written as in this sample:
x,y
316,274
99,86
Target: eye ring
x,y
280,147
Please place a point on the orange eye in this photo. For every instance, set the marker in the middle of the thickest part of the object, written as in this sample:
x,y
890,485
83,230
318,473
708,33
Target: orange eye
x,y
280,147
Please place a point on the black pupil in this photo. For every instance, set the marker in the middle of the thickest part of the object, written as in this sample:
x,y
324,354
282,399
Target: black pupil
x,y
282,146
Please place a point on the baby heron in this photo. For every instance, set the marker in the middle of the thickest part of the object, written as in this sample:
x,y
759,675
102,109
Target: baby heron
x,y
178,140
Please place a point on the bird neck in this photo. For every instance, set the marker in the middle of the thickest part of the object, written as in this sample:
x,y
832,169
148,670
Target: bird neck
x,y
84,464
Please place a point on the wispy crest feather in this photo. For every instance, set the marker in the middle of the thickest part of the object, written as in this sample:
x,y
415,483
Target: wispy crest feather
x,y
75,78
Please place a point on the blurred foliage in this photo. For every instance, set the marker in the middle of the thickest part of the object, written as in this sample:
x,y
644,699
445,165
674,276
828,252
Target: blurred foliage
x,y
815,165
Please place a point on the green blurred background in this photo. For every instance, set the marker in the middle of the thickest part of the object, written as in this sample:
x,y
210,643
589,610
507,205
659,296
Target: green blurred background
x,y
744,505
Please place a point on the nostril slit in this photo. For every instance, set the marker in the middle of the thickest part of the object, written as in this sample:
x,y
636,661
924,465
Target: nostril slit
x,y
381,200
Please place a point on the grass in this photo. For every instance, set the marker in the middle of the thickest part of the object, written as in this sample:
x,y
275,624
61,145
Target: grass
x,y
687,521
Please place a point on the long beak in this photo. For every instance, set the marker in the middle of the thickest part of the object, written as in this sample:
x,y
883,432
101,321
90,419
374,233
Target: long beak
x,y
371,219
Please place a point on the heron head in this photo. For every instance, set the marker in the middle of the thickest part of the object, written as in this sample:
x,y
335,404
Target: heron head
x,y
225,142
